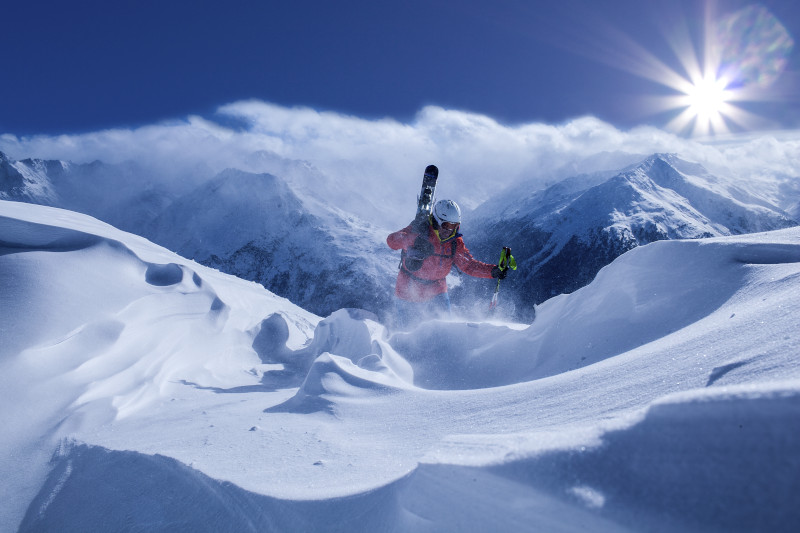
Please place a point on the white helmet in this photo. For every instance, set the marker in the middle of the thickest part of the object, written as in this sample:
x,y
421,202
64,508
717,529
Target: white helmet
x,y
447,211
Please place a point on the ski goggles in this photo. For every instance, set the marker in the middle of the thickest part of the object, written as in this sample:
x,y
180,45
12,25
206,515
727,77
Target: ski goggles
x,y
449,226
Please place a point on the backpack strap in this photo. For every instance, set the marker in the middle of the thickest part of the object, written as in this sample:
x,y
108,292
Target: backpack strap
x,y
423,280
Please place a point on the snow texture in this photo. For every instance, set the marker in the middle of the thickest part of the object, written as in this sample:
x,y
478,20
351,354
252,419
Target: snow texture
x,y
145,392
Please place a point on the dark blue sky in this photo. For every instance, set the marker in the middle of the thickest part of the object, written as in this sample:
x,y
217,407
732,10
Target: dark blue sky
x,y
80,66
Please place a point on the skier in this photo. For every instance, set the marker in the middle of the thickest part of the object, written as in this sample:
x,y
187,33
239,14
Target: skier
x,y
430,246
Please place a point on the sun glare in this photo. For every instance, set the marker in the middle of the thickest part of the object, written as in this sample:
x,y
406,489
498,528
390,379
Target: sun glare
x,y
733,59
704,106
749,47
707,97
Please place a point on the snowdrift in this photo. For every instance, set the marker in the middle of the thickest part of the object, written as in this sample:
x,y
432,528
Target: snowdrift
x,y
142,391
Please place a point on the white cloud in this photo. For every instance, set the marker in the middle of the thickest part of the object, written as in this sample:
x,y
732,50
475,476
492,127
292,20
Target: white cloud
x,y
383,159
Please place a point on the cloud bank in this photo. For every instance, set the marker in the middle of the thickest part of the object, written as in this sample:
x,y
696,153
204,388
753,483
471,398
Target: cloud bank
x,y
383,159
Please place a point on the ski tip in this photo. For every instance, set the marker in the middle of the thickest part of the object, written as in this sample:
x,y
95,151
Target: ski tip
x,y
432,170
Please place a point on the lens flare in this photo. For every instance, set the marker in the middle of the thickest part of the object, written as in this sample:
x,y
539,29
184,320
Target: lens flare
x,y
743,54
709,74
753,45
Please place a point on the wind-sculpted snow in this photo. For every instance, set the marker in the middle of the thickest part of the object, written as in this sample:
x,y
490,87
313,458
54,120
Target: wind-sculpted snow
x,y
641,299
143,391
686,464
711,460
347,356
128,491
94,329
170,287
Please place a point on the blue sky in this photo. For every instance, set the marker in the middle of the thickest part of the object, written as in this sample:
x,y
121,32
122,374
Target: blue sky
x,y
71,67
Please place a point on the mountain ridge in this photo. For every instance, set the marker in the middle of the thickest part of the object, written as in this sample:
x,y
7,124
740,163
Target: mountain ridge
x,y
285,233
562,235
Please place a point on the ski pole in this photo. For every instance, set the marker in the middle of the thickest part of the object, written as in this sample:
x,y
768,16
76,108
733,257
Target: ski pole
x,y
506,261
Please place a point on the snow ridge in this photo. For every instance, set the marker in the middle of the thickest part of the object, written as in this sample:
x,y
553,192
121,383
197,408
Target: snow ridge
x,y
663,395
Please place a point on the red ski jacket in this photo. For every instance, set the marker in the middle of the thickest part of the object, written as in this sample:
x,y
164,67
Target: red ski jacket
x,y
429,280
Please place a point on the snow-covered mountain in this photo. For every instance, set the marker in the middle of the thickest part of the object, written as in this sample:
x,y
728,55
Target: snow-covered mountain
x,y
254,226
144,391
563,235
30,180
295,232
123,194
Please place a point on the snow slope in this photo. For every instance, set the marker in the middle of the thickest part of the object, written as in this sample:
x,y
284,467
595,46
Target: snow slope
x,y
142,391
563,235
295,234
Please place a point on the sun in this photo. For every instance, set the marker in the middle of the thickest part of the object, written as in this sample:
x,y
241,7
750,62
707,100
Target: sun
x,y
704,103
741,56
709,78
707,98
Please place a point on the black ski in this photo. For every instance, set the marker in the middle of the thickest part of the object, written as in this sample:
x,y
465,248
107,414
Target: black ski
x,y
425,198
